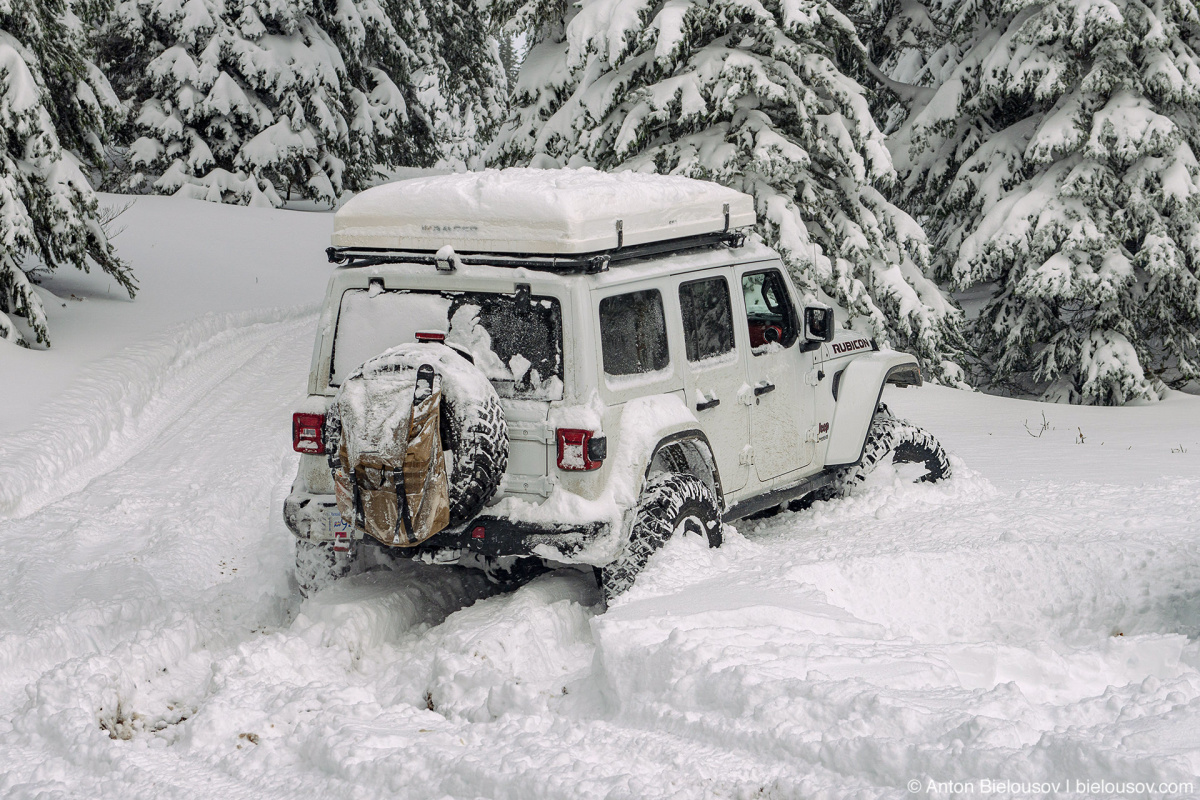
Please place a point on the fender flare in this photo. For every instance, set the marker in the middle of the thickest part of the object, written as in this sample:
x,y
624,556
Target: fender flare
x,y
694,440
859,389
651,428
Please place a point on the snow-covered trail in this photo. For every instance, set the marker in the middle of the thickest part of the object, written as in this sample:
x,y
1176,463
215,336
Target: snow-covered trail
x,y
129,597
991,627
171,507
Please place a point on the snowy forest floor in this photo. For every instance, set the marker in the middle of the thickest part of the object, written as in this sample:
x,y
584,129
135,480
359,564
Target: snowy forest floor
x,y
1035,618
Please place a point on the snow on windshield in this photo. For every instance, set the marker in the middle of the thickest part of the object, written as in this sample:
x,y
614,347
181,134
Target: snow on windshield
x,y
516,341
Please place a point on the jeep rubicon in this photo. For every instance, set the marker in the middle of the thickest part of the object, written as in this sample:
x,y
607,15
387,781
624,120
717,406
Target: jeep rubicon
x,y
616,363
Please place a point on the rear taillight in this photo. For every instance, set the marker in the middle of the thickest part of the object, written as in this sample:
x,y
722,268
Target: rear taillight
x,y
431,336
580,450
308,433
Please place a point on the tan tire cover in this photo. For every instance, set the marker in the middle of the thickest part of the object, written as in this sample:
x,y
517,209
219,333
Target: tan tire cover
x,y
369,428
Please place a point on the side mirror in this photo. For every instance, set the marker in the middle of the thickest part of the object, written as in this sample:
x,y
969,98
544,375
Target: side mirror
x,y
818,323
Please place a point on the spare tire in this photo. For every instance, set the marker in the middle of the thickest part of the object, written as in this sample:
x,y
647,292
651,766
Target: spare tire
x,y
377,396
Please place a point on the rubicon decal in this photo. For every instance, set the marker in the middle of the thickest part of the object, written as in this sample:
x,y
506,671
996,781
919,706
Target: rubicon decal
x,y
851,346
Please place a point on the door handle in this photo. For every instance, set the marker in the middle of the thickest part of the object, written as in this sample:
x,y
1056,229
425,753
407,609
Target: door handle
x,y
763,388
707,404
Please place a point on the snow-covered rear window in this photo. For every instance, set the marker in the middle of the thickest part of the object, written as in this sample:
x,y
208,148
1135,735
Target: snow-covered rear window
x,y
633,333
707,318
515,339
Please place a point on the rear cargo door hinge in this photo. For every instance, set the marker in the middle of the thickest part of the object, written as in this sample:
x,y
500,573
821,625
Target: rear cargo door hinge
x,y
812,377
747,456
530,431
528,484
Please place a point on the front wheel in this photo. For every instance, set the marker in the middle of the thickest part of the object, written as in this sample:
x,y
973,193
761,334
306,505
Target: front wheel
x,y
902,442
670,505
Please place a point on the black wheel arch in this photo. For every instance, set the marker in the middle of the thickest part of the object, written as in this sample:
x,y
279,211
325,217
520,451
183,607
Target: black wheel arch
x,y
690,452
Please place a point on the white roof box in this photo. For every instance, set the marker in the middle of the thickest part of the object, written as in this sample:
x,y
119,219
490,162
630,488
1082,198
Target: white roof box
x,y
537,211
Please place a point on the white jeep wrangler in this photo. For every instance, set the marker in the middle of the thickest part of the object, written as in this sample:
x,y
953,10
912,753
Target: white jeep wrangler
x,y
619,365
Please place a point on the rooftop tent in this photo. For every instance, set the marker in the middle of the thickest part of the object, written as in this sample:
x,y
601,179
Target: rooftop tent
x,y
534,211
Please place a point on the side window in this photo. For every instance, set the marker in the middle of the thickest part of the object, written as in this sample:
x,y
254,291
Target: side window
x,y
769,312
707,318
633,333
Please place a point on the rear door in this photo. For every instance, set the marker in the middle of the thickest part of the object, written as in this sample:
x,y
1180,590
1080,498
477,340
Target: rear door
x,y
783,401
513,337
716,371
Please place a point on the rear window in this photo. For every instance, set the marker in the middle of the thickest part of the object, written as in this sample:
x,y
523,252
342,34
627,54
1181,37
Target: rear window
x,y
515,339
633,333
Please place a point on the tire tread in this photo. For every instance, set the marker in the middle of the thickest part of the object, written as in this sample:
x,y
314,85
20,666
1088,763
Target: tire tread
x,y
905,442
660,506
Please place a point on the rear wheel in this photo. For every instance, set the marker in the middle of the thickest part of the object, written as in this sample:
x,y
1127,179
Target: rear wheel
x,y
318,565
901,442
671,505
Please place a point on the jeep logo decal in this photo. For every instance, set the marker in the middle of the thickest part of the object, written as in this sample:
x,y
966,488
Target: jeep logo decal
x,y
851,346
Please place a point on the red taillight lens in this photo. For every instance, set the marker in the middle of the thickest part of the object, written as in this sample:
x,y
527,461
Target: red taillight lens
x,y
579,449
308,433
431,336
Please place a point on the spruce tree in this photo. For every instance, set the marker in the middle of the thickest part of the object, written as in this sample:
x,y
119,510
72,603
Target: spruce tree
x,y
751,95
251,101
466,91
1054,158
51,98
509,57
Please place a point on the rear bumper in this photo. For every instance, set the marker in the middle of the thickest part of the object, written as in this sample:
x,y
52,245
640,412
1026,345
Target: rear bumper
x,y
308,517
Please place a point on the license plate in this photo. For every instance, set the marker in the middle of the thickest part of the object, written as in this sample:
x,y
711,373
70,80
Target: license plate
x,y
341,530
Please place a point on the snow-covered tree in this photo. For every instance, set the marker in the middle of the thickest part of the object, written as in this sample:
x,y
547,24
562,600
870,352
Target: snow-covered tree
x,y
1053,159
249,100
750,95
467,93
509,57
51,99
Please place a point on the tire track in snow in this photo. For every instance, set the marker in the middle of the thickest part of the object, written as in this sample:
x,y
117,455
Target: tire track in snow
x,y
151,542
121,608
121,403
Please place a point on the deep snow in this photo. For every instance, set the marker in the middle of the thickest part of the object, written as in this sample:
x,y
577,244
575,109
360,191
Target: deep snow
x,y
1035,618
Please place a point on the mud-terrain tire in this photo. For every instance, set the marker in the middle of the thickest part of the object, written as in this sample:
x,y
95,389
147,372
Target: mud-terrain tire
x,y
318,565
671,505
478,437
905,443
472,422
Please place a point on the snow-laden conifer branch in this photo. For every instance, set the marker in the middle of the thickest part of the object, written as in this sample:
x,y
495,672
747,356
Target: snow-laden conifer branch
x,y
256,102
1057,164
748,95
51,98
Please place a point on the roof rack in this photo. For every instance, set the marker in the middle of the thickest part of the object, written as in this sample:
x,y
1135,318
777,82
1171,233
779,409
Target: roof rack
x,y
589,263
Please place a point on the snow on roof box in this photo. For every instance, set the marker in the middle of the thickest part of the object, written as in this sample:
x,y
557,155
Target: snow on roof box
x,y
537,211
